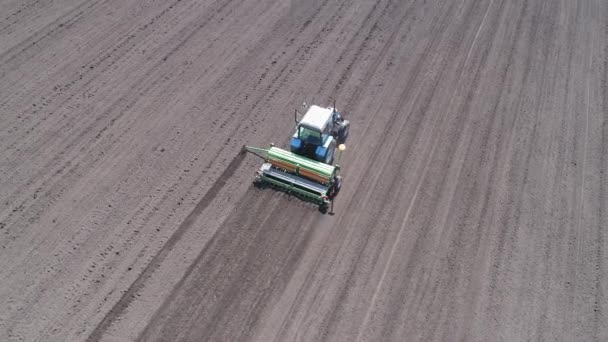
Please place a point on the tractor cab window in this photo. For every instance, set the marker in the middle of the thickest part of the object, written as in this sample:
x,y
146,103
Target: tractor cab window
x,y
308,136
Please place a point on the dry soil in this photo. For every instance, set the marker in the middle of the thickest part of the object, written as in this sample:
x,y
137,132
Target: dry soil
x,y
475,193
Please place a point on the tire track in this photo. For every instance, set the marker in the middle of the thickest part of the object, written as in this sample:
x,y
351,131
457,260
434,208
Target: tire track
x,y
452,236
70,158
360,48
107,60
17,15
34,44
478,195
579,233
417,189
491,201
225,286
396,177
373,164
515,205
136,286
600,306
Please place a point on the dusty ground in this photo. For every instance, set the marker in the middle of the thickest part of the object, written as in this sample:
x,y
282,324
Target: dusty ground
x,y
475,197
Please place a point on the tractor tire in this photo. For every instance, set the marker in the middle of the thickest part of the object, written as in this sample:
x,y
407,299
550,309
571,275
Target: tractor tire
x,y
331,151
343,131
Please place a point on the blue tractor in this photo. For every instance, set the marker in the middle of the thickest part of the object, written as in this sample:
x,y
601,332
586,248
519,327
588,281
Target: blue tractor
x,y
318,134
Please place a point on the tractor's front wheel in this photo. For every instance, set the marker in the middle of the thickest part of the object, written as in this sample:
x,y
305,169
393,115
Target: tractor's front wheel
x,y
329,156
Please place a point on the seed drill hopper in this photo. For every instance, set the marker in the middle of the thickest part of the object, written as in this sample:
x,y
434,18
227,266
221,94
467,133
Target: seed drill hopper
x,y
306,178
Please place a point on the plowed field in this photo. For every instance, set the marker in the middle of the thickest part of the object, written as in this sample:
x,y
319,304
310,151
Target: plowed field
x,y
475,198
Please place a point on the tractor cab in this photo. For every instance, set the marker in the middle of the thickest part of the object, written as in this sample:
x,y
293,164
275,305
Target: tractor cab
x,y
318,133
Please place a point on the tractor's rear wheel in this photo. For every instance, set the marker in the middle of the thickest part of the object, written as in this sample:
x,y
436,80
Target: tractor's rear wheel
x,y
343,131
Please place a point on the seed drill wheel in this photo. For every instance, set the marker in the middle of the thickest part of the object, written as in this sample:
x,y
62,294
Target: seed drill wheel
x,y
337,185
323,208
259,184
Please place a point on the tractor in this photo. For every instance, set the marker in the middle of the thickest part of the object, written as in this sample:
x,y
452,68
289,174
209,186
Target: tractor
x,y
307,170
318,134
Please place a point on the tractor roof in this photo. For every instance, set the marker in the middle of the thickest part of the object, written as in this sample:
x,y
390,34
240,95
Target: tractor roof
x,y
317,117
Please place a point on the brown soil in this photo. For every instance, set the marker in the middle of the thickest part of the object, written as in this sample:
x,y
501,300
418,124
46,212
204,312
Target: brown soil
x,y
474,200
